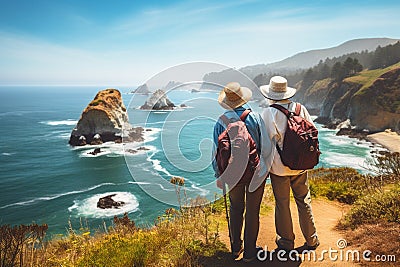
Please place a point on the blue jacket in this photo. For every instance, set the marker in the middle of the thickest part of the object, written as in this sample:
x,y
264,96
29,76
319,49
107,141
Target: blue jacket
x,y
255,126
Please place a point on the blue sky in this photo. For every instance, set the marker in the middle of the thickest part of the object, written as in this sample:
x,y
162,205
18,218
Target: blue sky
x,y
127,42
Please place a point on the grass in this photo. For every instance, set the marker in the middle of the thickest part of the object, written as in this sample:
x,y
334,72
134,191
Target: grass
x,y
318,85
368,77
345,185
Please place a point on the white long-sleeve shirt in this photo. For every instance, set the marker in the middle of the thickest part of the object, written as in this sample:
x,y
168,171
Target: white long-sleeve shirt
x,y
276,123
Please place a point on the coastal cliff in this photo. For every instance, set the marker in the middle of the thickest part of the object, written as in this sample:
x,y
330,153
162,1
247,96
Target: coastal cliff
x,y
369,101
377,107
102,120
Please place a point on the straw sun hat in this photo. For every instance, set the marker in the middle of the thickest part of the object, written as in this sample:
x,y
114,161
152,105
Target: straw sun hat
x,y
277,89
233,95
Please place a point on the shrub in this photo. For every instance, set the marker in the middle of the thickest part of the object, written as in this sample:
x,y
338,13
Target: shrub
x,y
374,208
345,185
386,164
97,102
15,241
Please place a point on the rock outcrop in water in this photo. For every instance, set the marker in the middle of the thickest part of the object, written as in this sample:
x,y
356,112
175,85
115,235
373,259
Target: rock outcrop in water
x,y
142,90
103,120
158,101
108,203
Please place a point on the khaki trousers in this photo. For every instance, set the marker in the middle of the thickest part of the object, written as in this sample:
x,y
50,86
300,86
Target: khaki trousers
x,y
283,220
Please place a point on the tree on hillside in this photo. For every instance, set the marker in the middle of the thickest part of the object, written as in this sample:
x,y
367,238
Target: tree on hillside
x,y
309,78
325,71
337,72
385,56
349,68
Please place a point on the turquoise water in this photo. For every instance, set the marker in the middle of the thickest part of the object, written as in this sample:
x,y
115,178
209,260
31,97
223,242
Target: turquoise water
x,y
44,180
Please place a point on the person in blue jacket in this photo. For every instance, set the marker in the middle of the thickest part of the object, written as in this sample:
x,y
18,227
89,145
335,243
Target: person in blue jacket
x,y
243,196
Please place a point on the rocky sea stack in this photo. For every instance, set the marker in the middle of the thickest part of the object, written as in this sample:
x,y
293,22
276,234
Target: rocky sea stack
x,y
108,203
158,101
142,90
103,120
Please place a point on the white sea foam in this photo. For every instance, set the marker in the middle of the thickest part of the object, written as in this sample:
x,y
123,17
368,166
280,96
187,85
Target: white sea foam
x,y
88,207
7,154
151,135
62,122
157,164
51,197
140,183
340,160
112,149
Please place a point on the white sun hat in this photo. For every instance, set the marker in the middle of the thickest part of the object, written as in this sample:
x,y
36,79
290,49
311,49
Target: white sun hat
x,y
277,89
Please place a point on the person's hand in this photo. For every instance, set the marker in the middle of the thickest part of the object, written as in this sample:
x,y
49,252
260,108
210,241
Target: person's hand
x,y
220,184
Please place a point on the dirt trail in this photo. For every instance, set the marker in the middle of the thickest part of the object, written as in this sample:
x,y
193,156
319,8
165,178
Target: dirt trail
x,y
326,214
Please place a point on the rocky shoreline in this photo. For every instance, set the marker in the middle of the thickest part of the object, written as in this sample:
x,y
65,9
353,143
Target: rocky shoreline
x,y
388,139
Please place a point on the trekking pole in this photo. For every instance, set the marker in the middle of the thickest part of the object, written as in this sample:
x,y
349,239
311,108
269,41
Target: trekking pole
x,y
227,214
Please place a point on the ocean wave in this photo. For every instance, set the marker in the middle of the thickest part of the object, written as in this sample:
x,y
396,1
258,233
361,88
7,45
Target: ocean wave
x,y
62,122
21,112
154,184
140,183
157,164
164,122
341,159
8,154
151,135
88,207
65,136
51,197
112,149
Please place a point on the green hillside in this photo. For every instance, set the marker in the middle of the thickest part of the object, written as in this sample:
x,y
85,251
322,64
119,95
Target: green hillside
x,y
368,77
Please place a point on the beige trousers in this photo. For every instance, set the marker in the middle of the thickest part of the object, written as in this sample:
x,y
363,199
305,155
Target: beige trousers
x,y
283,220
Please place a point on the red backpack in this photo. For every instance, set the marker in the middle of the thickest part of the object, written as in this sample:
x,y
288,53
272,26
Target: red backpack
x,y
237,157
300,144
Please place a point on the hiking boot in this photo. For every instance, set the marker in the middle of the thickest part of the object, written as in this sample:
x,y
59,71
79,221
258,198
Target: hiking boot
x,y
236,254
251,259
314,247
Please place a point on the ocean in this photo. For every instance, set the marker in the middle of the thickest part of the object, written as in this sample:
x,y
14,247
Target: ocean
x,y
44,180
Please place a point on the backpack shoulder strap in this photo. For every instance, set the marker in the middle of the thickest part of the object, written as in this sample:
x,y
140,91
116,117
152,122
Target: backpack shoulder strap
x,y
297,109
282,109
244,114
225,120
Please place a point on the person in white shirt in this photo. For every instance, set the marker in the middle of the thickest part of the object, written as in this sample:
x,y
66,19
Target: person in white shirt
x,y
282,177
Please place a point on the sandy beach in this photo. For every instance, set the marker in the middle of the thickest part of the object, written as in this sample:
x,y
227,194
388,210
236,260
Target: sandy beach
x,y
388,139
